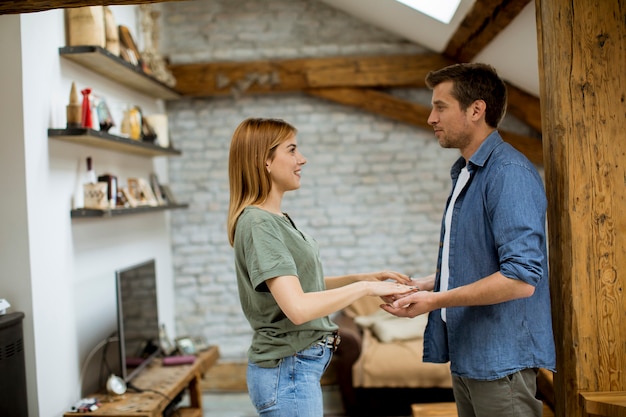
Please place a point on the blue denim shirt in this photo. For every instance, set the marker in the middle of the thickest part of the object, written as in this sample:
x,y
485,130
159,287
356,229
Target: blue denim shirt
x,y
498,225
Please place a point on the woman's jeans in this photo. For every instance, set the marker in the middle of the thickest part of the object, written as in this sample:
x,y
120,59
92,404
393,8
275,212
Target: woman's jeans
x,y
292,389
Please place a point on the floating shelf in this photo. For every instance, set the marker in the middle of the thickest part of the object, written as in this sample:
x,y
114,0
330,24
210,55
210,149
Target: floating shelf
x,y
90,213
100,139
115,68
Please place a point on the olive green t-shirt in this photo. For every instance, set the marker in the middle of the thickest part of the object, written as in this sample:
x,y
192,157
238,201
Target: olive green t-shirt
x,y
268,246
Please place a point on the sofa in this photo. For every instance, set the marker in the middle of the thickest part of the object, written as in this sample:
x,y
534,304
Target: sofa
x,y
380,355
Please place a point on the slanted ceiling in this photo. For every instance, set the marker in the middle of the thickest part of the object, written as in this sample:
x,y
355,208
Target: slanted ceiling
x,y
360,81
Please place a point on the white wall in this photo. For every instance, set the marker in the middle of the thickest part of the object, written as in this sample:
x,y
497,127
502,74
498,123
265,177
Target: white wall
x,y
61,272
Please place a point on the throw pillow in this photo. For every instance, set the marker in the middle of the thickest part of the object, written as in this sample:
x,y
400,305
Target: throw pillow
x,y
388,328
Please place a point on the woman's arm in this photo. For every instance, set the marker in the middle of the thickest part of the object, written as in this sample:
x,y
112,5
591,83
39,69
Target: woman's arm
x,y
342,280
301,307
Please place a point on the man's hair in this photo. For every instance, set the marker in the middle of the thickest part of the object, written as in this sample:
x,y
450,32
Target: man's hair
x,y
253,143
473,82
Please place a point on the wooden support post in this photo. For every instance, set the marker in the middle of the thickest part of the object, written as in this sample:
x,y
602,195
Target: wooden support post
x,y
582,56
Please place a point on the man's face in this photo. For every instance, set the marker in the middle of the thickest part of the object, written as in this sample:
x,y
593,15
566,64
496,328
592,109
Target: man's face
x,y
452,125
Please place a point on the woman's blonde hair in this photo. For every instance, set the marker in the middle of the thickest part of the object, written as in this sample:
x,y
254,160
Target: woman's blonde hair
x,y
252,145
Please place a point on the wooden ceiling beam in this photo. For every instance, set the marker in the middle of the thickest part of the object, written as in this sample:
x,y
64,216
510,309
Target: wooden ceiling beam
x,y
524,106
485,20
226,78
377,102
386,105
347,80
236,78
30,6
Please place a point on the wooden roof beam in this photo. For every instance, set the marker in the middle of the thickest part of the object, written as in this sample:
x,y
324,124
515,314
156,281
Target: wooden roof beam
x,y
346,80
226,78
486,19
30,6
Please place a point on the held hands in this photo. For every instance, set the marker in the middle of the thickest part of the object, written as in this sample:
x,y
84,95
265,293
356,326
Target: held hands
x,y
420,284
412,304
388,289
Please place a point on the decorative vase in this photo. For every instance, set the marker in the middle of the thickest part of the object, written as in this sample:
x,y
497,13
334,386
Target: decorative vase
x,y
111,33
87,118
85,26
73,109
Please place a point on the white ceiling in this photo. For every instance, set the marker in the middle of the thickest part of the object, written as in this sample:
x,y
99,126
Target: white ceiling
x,y
513,52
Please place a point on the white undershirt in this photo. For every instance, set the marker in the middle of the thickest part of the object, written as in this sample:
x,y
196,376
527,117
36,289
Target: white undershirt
x,y
445,254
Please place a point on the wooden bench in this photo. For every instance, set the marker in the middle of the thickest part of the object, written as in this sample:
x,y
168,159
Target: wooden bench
x,y
434,410
449,410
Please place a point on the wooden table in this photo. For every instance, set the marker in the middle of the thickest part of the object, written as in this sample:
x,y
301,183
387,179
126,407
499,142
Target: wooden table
x,y
160,384
607,403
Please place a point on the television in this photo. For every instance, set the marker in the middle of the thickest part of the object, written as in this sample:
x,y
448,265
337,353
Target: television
x,y
137,317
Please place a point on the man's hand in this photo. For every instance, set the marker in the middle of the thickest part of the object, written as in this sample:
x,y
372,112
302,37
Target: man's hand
x,y
411,305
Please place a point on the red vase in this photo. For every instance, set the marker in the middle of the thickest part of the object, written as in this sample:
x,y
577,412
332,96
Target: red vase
x,y
86,119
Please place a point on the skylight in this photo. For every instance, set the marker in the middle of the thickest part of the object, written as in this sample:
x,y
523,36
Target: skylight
x,y
442,10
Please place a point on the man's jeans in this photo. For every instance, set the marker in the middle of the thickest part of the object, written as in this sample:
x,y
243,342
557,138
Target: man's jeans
x,y
511,396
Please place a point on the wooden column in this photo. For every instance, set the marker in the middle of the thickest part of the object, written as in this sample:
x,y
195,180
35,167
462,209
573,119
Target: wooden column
x,y
582,66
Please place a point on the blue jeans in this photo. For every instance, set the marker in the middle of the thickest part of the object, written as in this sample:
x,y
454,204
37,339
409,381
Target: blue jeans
x,y
292,389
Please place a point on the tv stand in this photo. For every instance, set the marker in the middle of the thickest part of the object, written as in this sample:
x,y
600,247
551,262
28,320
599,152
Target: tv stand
x,y
161,385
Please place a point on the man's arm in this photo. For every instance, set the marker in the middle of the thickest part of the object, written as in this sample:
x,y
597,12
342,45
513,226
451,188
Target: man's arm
x,y
493,289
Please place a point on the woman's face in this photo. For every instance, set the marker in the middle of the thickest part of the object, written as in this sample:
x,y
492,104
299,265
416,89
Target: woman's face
x,y
285,167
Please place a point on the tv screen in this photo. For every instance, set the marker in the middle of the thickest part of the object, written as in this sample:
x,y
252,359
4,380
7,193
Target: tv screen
x,y
137,317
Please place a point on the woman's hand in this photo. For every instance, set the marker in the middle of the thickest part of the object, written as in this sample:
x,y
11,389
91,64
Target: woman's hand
x,y
388,289
387,275
419,284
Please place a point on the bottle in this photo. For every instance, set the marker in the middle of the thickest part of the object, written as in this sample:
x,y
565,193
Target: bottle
x,y
82,178
90,177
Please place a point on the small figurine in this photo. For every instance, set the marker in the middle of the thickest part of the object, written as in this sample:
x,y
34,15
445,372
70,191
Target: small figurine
x,y
73,109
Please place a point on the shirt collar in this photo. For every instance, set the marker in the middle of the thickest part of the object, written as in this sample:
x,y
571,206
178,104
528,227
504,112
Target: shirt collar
x,y
480,156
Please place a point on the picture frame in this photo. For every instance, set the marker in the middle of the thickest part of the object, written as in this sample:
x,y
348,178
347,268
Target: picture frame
x,y
168,195
156,187
141,192
128,48
128,195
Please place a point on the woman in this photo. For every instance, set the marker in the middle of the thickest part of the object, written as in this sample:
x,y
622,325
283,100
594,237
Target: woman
x,y
283,292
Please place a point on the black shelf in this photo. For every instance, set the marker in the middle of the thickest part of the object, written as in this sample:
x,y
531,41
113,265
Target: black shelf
x,y
91,213
115,68
100,139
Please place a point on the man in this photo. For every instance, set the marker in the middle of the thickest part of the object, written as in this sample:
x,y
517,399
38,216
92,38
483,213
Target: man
x,y
490,304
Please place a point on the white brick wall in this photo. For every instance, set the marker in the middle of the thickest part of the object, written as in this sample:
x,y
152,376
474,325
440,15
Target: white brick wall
x,y
372,191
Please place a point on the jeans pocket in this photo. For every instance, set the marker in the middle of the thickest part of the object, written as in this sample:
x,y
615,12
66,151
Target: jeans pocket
x,y
262,385
315,358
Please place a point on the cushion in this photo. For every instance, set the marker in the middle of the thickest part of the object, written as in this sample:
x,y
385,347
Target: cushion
x,y
387,327
397,365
